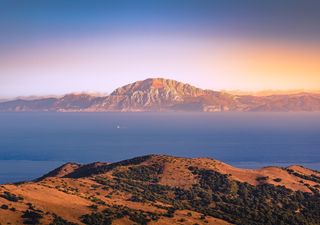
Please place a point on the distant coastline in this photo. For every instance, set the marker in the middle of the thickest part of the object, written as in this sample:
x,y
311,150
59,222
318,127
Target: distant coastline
x,y
164,95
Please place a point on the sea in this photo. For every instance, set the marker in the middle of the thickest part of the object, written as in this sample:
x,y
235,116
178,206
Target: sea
x,y
31,144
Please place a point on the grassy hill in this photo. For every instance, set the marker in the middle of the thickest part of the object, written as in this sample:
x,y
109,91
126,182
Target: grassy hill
x,y
158,189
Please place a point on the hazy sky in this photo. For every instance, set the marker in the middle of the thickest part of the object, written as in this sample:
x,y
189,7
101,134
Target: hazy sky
x,y
63,46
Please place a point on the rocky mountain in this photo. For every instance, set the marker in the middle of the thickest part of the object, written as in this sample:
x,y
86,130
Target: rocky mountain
x,y
159,189
167,95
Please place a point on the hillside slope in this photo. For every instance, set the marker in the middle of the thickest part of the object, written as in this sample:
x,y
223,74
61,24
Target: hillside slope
x,y
158,189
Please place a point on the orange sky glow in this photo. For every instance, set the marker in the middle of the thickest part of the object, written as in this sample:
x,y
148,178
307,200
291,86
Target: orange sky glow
x,y
219,64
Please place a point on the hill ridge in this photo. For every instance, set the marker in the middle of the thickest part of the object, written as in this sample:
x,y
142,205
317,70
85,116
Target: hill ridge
x,y
243,175
163,189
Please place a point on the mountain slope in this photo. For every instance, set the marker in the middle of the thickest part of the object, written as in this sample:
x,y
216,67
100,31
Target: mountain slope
x,y
158,189
165,95
160,94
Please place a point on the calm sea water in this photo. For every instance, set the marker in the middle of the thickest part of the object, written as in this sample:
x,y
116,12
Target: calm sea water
x,y
34,143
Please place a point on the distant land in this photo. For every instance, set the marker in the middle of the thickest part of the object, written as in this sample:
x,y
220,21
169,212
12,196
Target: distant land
x,y
161,189
272,92
161,95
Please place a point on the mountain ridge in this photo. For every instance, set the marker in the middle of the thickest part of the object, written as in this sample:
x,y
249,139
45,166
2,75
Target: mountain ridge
x,y
159,94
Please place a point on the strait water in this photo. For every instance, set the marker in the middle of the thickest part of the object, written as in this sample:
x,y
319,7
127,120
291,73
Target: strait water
x,y
31,144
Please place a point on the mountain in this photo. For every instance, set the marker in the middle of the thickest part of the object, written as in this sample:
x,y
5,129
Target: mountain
x,y
160,94
160,189
3,100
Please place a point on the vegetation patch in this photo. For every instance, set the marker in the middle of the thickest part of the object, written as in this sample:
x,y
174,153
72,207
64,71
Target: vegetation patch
x,y
312,177
57,220
31,217
239,203
262,204
142,173
262,179
89,171
112,213
5,207
11,197
277,180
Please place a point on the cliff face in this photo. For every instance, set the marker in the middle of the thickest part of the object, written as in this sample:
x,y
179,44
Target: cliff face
x,y
167,95
159,189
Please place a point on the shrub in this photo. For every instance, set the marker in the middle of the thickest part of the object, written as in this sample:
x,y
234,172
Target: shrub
x,y
262,179
57,220
31,217
5,207
277,179
11,197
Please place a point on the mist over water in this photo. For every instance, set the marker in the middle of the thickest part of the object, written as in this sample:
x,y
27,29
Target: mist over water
x,y
236,138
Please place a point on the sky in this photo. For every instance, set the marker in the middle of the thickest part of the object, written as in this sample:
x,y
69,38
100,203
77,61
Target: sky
x,y
63,46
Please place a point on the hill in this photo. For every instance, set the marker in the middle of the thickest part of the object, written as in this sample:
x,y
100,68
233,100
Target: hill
x,y
158,94
159,189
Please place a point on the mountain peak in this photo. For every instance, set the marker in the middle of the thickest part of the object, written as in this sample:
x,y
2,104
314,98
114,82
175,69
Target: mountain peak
x,y
165,86
157,82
